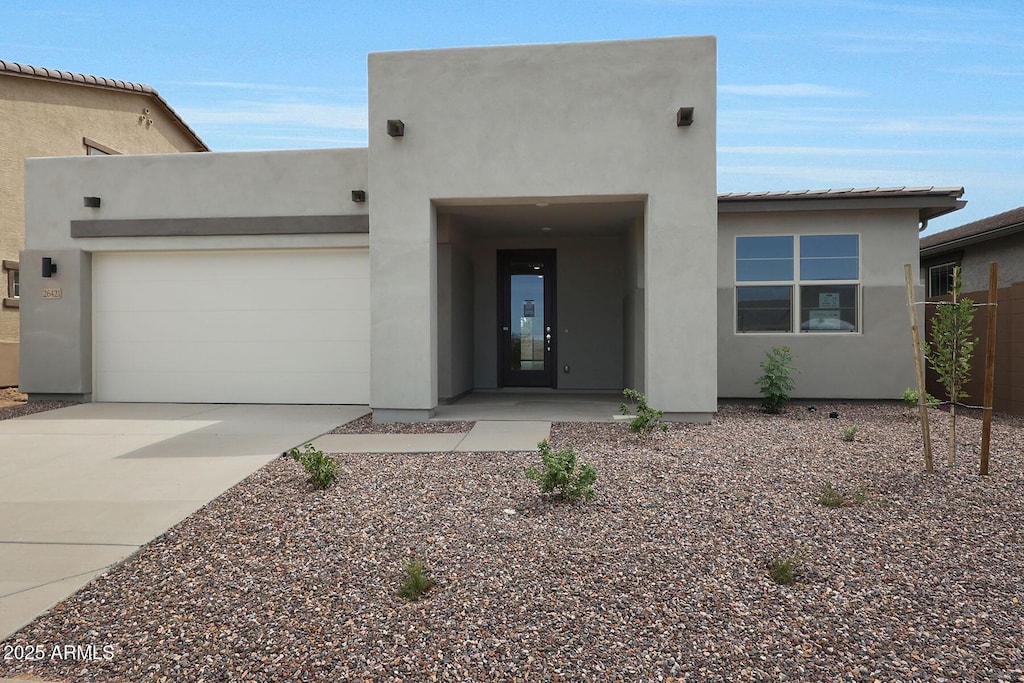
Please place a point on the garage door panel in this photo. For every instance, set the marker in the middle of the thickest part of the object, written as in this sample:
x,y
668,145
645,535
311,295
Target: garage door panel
x,y
239,387
257,326
215,266
220,326
235,295
285,356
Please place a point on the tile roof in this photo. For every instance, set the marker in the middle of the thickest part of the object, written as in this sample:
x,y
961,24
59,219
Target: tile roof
x,y
986,228
847,193
24,70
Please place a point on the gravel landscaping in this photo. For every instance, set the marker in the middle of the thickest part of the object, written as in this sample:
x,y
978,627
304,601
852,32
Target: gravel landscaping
x,y
664,576
366,425
9,412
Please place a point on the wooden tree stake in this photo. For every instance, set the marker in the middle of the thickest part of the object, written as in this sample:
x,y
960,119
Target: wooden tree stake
x,y
990,363
955,390
922,395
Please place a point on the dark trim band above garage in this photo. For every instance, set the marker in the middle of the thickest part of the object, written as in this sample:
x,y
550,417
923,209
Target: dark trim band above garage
x,y
197,227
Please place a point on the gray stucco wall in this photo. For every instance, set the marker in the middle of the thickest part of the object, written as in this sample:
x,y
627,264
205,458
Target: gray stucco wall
x,y
548,121
633,309
1008,252
455,311
875,362
56,334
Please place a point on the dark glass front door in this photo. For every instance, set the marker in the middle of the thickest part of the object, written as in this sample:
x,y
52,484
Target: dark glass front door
x,y
526,318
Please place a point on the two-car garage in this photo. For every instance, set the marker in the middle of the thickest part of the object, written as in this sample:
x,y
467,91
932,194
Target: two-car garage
x,y
252,326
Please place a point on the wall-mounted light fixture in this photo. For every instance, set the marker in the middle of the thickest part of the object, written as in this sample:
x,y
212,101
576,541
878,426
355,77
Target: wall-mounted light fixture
x,y
684,117
91,202
359,196
396,128
49,267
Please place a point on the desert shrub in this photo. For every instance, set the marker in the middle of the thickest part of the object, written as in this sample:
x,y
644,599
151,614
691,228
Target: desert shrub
x,y
777,381
911,396
831,497
320,467
850,433
647,418
782,568
416,580
559,474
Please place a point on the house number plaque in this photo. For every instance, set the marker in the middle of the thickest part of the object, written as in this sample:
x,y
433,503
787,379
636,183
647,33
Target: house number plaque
x,y
51,293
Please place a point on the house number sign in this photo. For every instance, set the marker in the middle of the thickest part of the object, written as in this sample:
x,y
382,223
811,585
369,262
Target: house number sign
x,y
51,293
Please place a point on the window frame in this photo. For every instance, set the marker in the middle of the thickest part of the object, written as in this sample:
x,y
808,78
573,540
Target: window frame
x,y
12,294
928,277
100,148
797,285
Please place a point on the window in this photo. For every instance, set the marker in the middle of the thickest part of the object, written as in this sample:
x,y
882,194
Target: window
x,y
940,279
93,148
815,277
13,294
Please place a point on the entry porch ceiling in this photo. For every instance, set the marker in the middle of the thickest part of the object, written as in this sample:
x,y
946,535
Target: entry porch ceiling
x,y
578,217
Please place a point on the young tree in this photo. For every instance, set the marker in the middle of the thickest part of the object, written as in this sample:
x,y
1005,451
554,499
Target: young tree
x,y
950,351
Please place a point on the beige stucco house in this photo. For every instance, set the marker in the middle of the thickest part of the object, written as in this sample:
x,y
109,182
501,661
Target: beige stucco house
x,y
538,217
48,113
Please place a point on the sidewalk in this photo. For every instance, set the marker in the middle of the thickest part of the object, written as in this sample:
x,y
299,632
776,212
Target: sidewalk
x,y
485,436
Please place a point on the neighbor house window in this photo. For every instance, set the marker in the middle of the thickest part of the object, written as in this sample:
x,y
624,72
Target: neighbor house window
x,y
93,148
806,283
940,279
13,293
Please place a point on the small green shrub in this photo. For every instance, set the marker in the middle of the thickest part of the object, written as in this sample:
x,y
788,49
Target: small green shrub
x,y
321,468
850,433
777,381
861,497
416,581
782,568
560,475
647,418
911,396
831,497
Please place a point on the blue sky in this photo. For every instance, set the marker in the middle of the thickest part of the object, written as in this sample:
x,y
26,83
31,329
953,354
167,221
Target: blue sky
x,y
812,94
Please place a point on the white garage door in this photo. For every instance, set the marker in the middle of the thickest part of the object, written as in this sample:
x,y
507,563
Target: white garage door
x,y
289,326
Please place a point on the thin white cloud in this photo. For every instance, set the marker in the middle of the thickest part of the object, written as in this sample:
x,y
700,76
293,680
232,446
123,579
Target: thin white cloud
x,y
321,116
908,41
804,120
781,150
256,87
986,71
1001,125
789,90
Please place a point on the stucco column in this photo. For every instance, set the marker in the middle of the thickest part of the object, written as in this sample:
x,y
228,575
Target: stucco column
x,y
56,327
403,313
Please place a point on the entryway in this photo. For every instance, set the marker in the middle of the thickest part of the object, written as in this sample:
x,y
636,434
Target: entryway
x,y
527,318
539,293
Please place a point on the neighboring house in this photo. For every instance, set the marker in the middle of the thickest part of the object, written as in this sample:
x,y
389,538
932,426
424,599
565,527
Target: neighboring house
x,y
532,216
972,247
47,113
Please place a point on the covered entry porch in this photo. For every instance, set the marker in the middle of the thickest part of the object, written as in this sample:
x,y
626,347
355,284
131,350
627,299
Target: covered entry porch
x,y
540,292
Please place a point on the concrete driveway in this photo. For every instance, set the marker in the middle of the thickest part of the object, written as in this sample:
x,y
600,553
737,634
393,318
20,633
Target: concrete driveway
x,y
82,488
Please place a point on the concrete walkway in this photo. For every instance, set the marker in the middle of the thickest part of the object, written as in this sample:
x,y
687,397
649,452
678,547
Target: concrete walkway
x,y
82,488
485,436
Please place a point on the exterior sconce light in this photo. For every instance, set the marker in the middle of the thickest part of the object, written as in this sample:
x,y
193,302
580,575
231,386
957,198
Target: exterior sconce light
x,y
49,267
684,117
359,196
396,128
91,202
